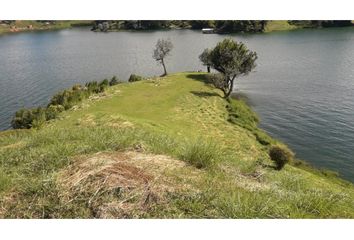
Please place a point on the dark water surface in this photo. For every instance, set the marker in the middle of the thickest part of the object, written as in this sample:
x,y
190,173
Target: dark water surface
x,y
303,87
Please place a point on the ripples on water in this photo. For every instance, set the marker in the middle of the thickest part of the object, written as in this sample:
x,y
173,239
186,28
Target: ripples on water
x,y
302,89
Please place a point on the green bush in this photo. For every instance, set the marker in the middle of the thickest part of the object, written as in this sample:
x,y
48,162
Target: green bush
x,y
135,78
69,98
114,81
200,154
52,111
103,85
27,118
92,87
280,155
77,87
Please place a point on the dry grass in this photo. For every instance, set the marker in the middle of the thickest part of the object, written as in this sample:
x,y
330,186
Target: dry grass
x,y
121,184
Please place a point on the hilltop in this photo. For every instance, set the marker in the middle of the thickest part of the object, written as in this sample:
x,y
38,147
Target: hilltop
x,y
168,147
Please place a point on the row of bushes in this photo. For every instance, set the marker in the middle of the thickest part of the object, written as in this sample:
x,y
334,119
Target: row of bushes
x,y
35,117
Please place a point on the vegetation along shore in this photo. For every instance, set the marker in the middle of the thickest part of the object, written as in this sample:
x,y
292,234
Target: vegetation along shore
x,y
174,146
11,26
164,147
219,26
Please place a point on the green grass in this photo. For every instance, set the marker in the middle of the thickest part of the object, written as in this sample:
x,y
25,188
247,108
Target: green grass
x,y
279,25
227,171
23,24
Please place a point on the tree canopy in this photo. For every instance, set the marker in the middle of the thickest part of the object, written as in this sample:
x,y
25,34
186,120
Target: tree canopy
x,y
231,59
162,49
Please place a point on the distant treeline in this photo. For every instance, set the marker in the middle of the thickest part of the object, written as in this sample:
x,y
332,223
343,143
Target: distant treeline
x,y
220,26
321,23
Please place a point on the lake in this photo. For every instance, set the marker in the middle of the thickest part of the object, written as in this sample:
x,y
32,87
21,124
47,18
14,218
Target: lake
x,y
302,88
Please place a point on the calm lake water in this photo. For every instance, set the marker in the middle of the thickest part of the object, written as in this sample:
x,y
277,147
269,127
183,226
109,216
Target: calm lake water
x,y
302,88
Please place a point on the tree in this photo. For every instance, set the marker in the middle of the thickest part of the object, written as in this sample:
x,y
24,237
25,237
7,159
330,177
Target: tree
x,y
231,59
162,50
205,58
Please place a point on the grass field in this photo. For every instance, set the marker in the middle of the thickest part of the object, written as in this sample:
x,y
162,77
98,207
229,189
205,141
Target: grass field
x,y
22,25
279,25
158,148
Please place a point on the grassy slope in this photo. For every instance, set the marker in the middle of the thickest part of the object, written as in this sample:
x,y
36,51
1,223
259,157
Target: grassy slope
x,y
279,25
179,116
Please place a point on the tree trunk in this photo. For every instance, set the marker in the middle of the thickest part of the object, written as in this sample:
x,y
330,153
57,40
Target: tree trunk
x,y
164,67
208,67
230,86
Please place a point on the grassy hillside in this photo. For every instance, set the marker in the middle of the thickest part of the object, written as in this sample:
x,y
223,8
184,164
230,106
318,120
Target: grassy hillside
x,y
279,25
160,148
30,25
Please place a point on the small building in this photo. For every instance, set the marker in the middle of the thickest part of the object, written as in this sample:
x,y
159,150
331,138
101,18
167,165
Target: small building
x,y
208,30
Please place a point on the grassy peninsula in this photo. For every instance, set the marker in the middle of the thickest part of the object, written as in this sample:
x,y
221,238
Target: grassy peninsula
x,y
167,147
31,25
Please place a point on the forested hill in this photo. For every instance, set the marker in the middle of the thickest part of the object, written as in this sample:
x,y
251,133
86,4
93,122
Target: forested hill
x,y
220,26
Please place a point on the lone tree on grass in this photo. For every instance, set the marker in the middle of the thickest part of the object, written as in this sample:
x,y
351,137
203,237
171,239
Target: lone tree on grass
x,y
231,59
205,58
162,50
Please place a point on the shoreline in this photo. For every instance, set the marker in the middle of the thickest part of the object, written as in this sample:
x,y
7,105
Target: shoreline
x,y
33,26
300,163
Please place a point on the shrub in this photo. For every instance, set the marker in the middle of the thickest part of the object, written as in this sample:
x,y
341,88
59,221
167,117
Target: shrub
x,y
27,118
200,154
135,78
103,85
77,87
68,98
281,156
114,81
52,111
92,87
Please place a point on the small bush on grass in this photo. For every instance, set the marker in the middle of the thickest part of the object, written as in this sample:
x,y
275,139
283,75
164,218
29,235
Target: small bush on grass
x,y
200,154
114,81
135,78
103,85
52,111
92,87
27,118
280,155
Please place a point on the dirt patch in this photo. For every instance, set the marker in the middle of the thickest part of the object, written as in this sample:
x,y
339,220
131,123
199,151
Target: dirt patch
x,y
122,184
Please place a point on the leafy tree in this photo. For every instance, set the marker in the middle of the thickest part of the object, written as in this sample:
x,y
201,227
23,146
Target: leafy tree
x,y
162,49
231,59
199,24
240,26
205,58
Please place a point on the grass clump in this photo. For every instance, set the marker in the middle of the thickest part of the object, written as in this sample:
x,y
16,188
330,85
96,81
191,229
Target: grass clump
x,y
201,154
135,78
280,155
